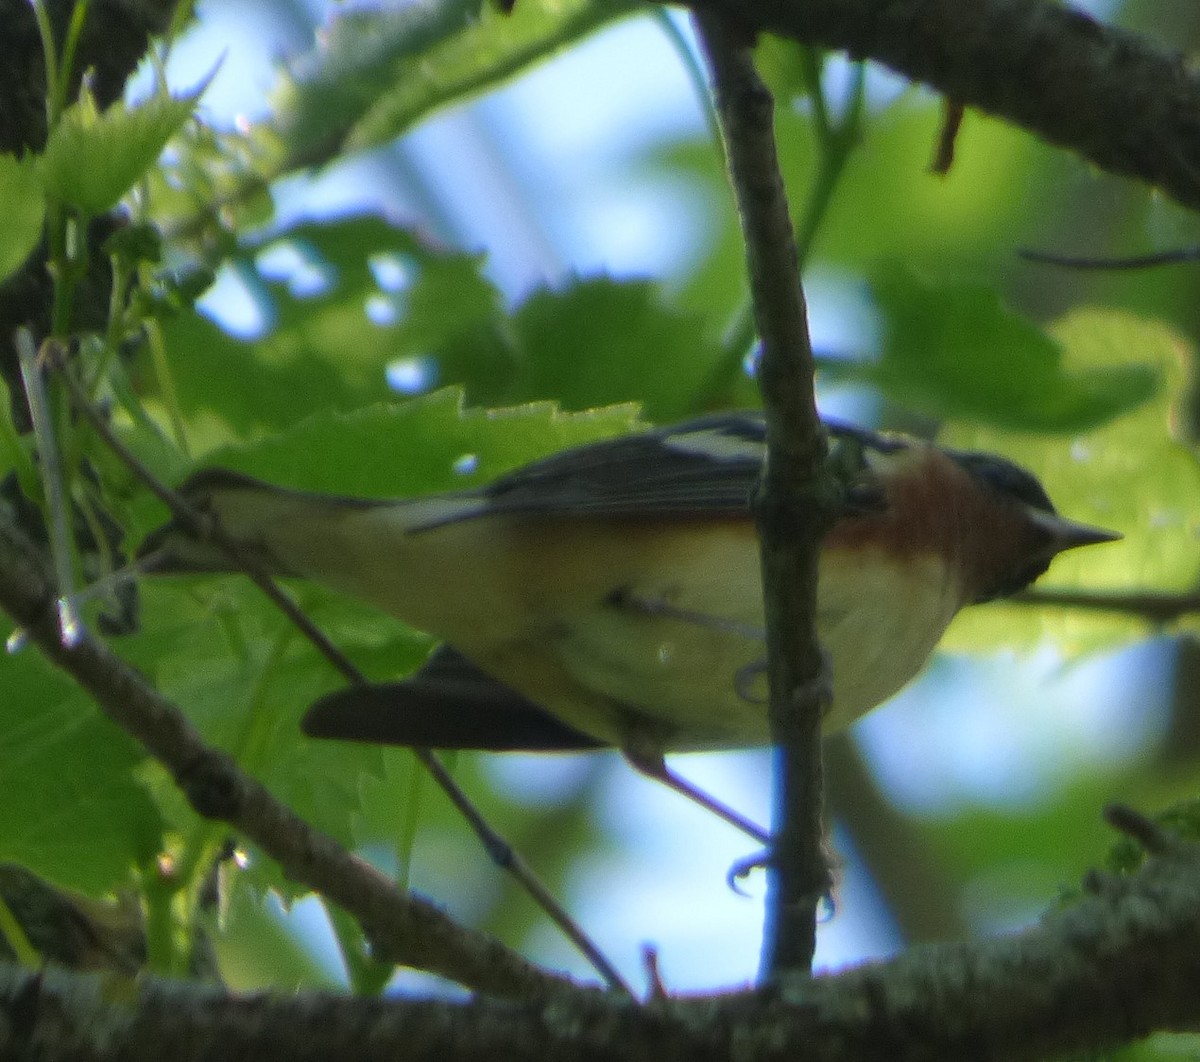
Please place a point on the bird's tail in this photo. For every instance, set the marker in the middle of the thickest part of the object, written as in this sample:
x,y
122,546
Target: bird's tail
x,y
276,526
242,506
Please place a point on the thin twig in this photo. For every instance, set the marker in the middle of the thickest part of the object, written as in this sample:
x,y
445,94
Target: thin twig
x,y
50,467
1176,256
1148,833
795,505
947,140
208,529
1154,606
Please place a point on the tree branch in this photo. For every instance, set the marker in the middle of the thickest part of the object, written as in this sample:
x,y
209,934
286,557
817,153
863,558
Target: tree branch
x,y
1122,102
402,927
1154,606
1119,962
795,505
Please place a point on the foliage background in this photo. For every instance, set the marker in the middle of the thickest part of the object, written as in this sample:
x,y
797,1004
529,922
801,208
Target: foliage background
x,y
538,243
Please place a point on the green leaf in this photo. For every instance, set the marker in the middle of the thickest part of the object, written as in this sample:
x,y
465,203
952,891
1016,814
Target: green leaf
x,y
601,341
435,445
259,948
1132,475
16,453
330,345
973,215
92,158
370,298
1159,1047
72,811
379,72
243,676
595,342
24,210
954,351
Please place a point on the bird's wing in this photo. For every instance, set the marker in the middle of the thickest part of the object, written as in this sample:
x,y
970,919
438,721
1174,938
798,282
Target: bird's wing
x,y
448,703
705,467
708,467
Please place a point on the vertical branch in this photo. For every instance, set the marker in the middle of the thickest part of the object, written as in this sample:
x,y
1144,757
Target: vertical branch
x,y
795,503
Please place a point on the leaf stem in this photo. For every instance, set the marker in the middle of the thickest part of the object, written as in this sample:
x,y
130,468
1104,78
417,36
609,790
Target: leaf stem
x,y
13,933
79,15
166,385
836,141
54,486
695,74
162,955
50,58
368,976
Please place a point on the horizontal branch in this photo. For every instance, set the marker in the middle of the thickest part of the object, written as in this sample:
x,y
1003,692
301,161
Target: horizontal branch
x,y
1117,963
1154,606
404,928
1117,99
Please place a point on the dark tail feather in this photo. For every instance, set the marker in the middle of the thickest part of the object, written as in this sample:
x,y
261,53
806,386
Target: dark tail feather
x,y
448,704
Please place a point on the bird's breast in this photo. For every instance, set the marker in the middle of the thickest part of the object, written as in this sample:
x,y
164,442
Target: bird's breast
x,y
879,621
684,646
662,623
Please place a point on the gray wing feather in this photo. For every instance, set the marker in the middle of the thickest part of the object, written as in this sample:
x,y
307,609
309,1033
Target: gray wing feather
x,y
705,467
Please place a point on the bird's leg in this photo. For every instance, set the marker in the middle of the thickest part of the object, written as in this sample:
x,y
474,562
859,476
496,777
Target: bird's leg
x,y
643,752
652,765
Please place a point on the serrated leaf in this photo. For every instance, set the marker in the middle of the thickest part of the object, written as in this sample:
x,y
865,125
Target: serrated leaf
x,y
600,341
952,350
260,948
1133,475
243,676
72,811
24,209
93,158
382,301
377,72
595,341
436,443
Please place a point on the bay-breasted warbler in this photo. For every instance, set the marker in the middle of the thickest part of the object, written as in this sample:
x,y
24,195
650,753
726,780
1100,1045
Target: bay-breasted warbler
x,y
610,594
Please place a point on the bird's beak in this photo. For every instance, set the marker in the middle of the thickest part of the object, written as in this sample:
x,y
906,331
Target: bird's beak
x,y
1067,534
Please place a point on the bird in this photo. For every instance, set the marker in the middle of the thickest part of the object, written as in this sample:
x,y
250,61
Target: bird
x,y
610,595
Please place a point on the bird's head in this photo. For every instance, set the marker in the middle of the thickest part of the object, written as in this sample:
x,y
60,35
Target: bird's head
x,y
1011,527
985,517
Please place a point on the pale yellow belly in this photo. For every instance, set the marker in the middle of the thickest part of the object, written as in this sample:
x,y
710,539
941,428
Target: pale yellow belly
x,y
705,676
682,646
